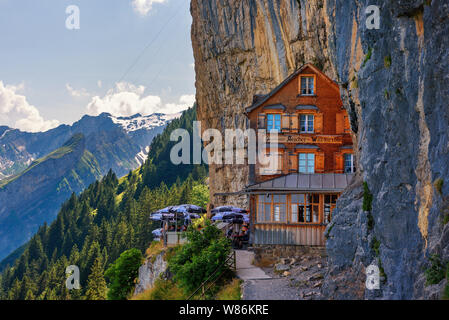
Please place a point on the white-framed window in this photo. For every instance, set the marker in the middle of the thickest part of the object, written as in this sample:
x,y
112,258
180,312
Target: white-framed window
x,y
349,163
307,86
273,122
306,163
307,125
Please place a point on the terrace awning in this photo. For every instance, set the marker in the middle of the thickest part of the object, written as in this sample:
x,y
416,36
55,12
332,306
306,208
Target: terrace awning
x,y
297,182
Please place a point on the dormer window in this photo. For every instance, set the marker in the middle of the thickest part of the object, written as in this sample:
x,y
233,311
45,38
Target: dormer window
x,y
307,86
273,122
307,123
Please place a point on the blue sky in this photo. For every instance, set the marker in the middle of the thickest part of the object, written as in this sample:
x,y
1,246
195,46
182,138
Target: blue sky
x,y
51,75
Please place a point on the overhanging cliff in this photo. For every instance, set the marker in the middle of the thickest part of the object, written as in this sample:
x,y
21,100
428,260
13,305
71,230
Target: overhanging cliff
x,y
393,83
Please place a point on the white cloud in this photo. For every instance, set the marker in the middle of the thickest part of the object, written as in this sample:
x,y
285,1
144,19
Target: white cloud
x,y
77,93
99,84
142,7
127,99
16,112
185,102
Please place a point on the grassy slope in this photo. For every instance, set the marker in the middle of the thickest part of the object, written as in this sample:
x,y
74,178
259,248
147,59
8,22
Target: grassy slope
x,y
57,154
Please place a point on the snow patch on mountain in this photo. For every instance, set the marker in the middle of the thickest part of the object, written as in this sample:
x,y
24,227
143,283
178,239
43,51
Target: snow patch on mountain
x,y
138,121
142,156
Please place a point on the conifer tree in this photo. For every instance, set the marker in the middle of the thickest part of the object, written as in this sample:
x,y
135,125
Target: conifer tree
x,y
96,284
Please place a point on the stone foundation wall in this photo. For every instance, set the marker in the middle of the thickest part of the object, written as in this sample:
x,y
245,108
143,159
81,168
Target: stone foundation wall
x,y
275,252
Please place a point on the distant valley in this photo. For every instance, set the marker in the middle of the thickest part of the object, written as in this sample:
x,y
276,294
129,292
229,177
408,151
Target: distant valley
x,y
39,171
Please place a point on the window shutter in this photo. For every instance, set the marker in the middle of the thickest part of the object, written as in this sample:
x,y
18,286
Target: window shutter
x,y
262,121
280,163
263,169
292,162
339,162
347,127
294,123
339,124
272,168
285,125
318,123
319,162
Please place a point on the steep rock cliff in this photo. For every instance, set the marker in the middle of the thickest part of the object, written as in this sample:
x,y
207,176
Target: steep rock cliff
x,y
244,48
393,83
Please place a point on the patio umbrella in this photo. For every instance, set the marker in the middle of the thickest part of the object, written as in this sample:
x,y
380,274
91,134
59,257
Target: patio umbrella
x,y
229,209
191,208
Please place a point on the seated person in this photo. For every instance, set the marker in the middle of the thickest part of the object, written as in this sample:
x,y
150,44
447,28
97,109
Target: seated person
x,y
242,238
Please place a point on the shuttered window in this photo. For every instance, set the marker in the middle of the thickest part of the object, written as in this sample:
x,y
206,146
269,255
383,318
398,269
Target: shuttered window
x,y
274,122
307,123
306,163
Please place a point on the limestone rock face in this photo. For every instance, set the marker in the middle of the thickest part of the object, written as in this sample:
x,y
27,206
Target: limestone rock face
x,y
392,86
244,48
150,271
393,83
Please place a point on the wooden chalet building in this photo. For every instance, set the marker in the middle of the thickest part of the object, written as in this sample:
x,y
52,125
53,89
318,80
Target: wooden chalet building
x,y
292,203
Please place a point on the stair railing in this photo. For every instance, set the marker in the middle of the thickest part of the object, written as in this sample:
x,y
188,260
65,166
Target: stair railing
x,y
207,284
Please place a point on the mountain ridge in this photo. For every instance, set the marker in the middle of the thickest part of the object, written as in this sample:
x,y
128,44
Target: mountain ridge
x,y
33,197
18,148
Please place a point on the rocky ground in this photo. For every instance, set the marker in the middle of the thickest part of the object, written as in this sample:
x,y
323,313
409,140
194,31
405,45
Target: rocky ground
x,y
291,279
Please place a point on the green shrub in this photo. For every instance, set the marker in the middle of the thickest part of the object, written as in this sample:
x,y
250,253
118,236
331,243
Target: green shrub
x,y
375,245
195,261
387,61
122,273
439,185
370,221
367,198
435,273
368,56
381,270
446,218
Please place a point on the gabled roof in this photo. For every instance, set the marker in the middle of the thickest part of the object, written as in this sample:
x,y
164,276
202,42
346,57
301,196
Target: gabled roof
x,y
263,98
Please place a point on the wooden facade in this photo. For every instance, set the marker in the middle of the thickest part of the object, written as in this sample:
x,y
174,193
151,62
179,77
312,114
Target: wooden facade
x,y
292,202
